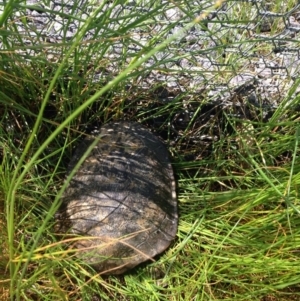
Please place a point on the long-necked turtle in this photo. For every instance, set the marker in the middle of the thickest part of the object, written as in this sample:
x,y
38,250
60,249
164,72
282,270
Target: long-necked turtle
x,y
122,199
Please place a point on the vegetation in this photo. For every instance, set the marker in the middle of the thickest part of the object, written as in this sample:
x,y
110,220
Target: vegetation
x,y
239,228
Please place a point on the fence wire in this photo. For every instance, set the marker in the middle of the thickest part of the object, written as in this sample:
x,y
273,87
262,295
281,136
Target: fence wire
x,y
245,48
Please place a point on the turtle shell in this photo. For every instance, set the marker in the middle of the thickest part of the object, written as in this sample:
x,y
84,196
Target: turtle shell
x,y
122,199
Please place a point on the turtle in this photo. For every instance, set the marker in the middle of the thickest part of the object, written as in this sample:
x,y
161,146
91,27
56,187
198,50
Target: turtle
x,y
121,202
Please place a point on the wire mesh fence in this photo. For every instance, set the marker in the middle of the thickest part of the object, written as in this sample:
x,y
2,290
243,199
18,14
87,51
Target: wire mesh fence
x,y
245,49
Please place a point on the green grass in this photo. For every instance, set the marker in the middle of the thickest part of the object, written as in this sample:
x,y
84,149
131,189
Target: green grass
x,y
239,223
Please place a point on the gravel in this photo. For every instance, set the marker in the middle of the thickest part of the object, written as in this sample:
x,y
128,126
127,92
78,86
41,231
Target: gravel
x,y
221,55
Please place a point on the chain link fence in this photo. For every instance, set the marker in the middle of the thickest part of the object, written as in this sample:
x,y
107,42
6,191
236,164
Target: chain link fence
x,y
240,52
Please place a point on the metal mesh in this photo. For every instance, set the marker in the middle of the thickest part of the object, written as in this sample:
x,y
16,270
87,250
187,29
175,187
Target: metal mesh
x,y
249,48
